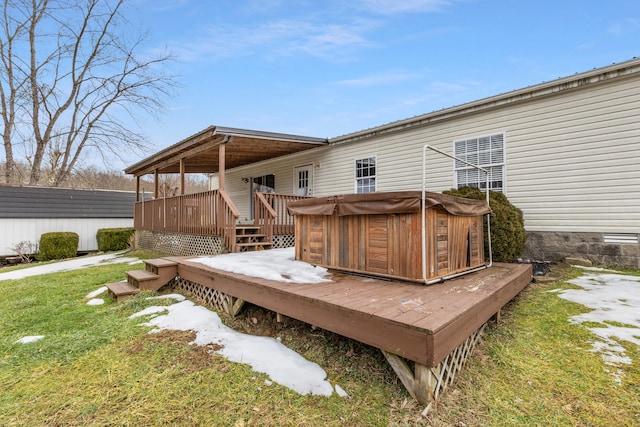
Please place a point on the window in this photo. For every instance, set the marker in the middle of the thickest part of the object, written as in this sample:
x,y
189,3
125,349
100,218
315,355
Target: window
x,y
486,152
365,175
265,183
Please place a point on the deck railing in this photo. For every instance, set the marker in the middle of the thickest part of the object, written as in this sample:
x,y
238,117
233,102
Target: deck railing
x,y
270,211
211,213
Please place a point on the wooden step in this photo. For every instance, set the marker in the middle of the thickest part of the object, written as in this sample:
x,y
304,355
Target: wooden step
x,y
251,246
245,237
137,277
158,273
246,230
122,290
160,262
162,267
251,235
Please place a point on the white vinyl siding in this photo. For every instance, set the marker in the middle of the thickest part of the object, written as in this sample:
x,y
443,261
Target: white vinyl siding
x,y
16,230
487,152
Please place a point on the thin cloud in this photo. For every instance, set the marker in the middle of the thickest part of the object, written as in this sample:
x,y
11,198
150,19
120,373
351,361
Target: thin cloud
x,y
379,79
278,39
390,7
627,26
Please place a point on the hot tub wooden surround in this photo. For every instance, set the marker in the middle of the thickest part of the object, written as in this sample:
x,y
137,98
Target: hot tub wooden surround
x,y
423,324
381,234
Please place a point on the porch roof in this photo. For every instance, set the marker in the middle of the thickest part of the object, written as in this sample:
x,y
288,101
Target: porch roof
x,y
200,152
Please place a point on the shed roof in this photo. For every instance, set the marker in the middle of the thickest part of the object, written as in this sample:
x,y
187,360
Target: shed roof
x,y
200,154
47,202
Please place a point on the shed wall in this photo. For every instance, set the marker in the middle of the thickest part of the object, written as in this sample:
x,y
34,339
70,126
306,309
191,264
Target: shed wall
x,y
16,230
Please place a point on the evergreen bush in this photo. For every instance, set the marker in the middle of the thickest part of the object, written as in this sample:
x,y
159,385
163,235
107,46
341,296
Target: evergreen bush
x,y
58,245
508,235
114,239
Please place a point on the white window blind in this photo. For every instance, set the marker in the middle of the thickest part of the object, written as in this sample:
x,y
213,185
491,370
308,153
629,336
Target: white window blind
x,y
486,152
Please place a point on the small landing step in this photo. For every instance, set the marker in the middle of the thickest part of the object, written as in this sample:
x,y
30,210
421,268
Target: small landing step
x,y
141,275
160,262
122,290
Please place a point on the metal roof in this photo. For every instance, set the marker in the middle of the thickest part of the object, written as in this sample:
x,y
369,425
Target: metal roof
x,y
47,202
199,152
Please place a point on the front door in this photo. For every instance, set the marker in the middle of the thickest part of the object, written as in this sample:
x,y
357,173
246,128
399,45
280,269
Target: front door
x,y
303,180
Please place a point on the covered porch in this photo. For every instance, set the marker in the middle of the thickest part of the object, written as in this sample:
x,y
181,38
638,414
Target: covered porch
x,y
213,213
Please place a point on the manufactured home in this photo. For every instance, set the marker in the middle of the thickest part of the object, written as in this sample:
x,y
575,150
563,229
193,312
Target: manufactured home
x,y
565,152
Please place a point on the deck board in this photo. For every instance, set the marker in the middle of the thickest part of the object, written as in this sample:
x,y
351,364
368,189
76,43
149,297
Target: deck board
x,y
417,322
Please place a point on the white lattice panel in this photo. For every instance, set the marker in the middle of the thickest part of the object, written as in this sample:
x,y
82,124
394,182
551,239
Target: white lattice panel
x,y
283,241
179,244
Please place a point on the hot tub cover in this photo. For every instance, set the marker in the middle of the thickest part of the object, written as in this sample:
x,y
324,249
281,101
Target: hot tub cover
x,y
385,203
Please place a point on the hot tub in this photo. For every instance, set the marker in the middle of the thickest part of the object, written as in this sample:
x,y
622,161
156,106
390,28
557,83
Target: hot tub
x,y
380,234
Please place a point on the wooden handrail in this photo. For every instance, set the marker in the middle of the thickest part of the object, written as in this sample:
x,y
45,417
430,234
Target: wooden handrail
x,y
228,215
265,203
228,201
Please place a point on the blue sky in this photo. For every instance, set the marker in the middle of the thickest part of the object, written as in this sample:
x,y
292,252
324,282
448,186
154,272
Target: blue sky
x,y
325,68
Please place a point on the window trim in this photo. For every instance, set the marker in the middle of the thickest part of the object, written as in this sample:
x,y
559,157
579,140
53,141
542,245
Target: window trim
x,y
503,163
355,172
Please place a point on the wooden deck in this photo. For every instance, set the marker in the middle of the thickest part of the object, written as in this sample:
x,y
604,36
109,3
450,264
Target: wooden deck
x,y
419,323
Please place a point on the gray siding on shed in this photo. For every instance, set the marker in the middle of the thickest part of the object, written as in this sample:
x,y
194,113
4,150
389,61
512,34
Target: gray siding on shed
x,y
42,202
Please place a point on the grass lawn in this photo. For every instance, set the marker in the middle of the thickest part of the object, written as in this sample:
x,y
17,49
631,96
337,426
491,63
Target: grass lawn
x,y
95,367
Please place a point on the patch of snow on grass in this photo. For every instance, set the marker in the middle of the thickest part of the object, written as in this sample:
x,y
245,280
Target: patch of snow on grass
x,y
263,354
176,297
96,292
615,303
95,301
274,264
72,264
584,267
29,339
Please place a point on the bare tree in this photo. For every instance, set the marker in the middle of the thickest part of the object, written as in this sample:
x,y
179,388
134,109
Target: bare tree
x,y
73,80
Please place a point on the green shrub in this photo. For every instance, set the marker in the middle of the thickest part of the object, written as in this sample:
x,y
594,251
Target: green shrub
x,y
507,224
58,245
114,239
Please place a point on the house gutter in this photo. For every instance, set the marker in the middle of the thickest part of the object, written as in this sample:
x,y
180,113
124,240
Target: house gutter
x,y
424,228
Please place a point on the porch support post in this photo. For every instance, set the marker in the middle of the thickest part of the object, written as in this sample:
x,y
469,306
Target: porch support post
x,y
137,188
181,176
155,183
221,163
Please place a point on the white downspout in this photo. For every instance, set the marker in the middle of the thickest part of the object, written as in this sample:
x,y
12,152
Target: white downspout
x,y
423,227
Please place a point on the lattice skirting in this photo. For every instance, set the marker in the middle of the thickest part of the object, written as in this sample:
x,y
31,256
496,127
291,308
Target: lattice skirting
x,y
426,384
219,301
283,241
179,244
445,372
190,244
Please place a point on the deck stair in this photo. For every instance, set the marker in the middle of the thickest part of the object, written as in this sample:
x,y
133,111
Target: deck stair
x,y
248,238
158,273
122,290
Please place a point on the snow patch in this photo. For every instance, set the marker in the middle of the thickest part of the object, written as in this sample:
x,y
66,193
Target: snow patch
x,y
72,264
96,292
95,301
274,264
29,339
264,354
615,303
